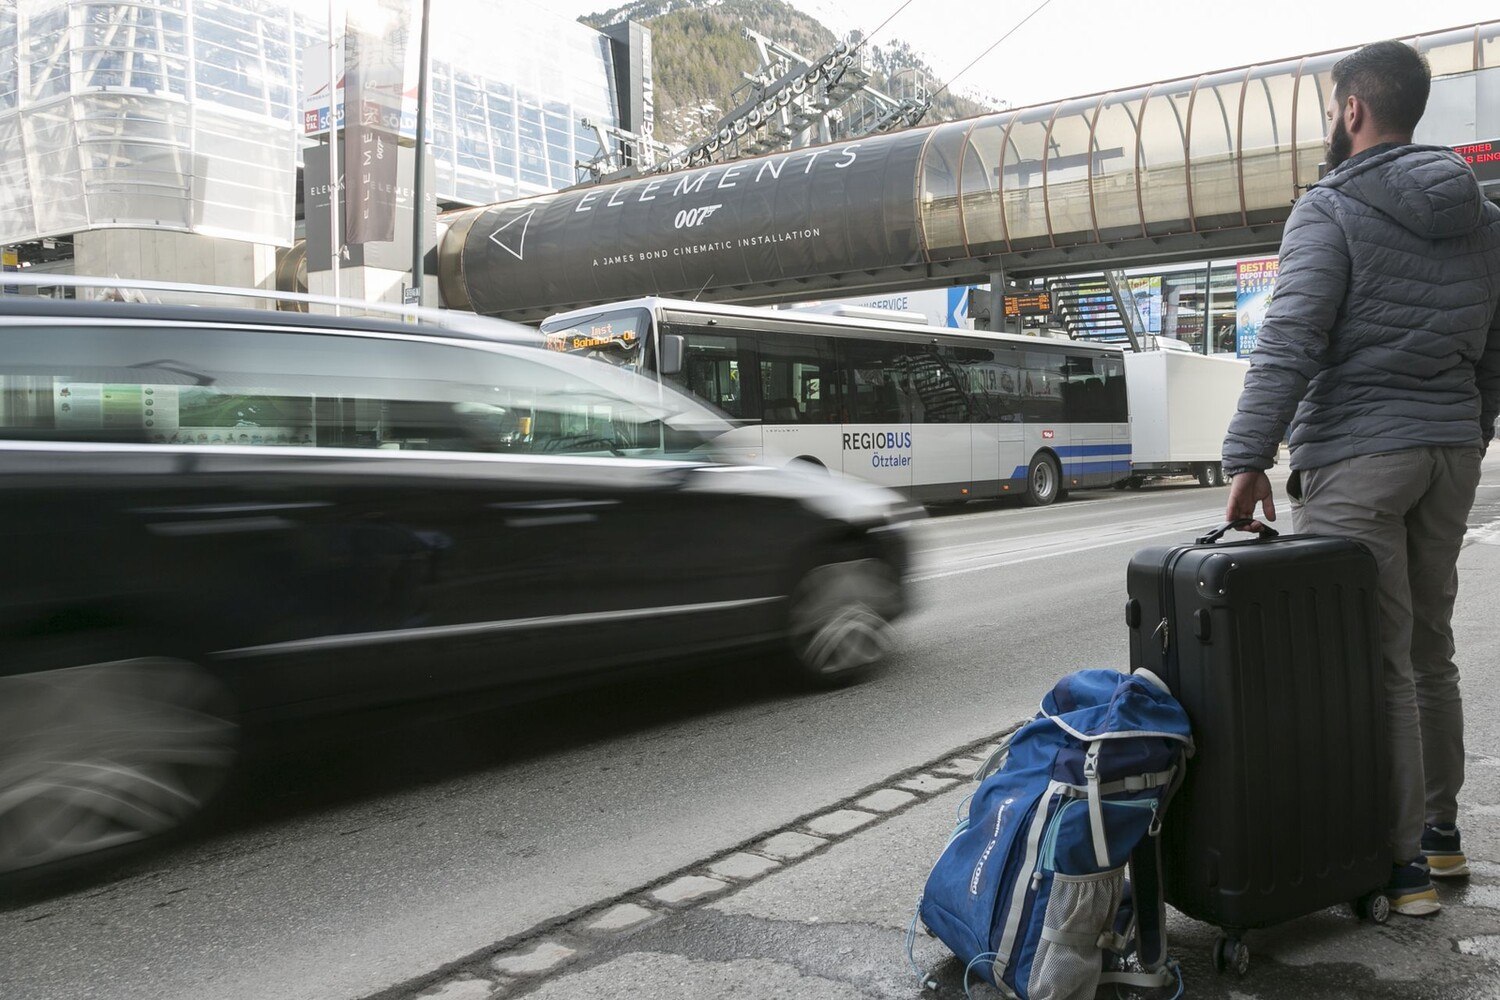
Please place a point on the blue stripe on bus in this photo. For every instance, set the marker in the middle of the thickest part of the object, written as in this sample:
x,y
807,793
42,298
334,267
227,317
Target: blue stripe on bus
x,y
1075,450
1081,468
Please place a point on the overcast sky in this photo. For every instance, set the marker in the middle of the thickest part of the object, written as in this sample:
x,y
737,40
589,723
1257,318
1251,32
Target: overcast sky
x,y
1075,47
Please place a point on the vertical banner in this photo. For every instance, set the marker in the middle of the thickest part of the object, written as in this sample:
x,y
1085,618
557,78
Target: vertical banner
x,y
1254,283
320,103
1147,294
375,61
392,256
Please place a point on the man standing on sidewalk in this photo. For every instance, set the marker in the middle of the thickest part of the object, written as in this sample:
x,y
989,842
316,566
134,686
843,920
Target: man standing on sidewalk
x,y
1382,348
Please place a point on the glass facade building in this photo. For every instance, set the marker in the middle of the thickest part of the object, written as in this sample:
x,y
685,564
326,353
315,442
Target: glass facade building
x,y
509,87
186,115
1183,310
1220,151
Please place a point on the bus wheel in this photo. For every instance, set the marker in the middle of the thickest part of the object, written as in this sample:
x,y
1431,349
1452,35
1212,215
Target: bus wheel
x,y
839,621
1043,481
809,464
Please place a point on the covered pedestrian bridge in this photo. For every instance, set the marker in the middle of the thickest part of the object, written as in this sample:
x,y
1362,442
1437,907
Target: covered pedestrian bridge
x,y
1180,170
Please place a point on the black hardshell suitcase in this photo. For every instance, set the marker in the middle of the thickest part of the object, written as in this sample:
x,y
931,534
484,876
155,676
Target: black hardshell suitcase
x,y
1272,646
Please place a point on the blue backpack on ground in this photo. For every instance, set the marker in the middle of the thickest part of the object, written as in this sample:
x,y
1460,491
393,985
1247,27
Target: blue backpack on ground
x,y
1030,891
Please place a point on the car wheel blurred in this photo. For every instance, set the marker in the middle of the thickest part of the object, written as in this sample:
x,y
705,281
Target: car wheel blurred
x,y
102,755
840,627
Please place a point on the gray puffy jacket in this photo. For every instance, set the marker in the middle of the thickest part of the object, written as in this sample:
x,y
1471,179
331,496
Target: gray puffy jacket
x,y
1383,332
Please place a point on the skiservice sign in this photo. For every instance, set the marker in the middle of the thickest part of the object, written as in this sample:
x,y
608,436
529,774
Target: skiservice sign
x,y
796,214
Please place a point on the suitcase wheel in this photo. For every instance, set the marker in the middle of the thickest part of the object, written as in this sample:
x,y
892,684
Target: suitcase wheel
x,y
1231,955
1374,907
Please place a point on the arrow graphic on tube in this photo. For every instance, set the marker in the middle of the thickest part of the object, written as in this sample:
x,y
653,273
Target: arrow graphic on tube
x,y
519,239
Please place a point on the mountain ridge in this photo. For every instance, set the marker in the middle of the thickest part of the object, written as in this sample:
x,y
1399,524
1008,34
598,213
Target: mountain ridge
x,y
699,56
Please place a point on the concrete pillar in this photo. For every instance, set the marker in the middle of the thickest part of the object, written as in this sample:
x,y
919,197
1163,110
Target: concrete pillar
x,y
186,258
367,284
997,300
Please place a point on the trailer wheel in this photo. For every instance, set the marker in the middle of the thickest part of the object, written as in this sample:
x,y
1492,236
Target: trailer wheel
x,y
1210,474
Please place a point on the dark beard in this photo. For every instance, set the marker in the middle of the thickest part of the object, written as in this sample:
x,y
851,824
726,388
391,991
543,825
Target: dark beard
x,y
1340,144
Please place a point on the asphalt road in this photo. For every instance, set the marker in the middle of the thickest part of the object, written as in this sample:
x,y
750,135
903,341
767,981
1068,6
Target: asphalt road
x,y
341,869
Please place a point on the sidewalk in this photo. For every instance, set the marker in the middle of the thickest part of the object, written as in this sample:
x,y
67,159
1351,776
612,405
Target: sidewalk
x,y
820,910
831,925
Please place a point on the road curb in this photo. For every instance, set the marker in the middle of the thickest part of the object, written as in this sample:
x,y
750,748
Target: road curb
x,y
526,959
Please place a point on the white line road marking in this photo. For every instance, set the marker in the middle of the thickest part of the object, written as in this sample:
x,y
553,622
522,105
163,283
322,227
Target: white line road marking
x,y
1102,543
1207,520
1136,506
1485,534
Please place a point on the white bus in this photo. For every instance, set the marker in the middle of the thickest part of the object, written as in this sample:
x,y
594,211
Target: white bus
x,y
941,416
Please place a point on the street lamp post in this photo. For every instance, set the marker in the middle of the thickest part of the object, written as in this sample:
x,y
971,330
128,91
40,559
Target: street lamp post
x,y
419,174
334,192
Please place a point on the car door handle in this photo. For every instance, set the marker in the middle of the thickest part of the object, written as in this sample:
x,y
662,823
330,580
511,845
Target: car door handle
x,y
248,507
221,518
551,513
221,526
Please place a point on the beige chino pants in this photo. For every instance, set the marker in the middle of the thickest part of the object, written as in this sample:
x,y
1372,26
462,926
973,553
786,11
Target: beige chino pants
x,y
1411,508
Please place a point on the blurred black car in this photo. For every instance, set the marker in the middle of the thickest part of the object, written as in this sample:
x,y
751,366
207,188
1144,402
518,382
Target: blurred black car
x,y
216,519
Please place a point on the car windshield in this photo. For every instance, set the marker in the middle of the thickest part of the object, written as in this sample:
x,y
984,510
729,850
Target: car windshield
x,y
614,336
205,385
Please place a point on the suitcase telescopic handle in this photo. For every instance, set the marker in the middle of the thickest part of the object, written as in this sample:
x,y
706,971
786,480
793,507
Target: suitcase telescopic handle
x,y
1266,531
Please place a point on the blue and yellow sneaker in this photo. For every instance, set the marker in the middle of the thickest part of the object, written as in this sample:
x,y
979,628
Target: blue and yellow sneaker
x,y
1410,890
1445,856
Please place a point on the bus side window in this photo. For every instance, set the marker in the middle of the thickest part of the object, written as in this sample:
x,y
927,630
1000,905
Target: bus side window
x,y
938,378
715,369
1116,408
1004,381
978,373
1082,389
1094,389
797,384
871,373
1041,387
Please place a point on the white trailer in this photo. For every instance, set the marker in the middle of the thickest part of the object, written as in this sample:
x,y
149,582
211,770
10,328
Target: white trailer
x,y
1180,406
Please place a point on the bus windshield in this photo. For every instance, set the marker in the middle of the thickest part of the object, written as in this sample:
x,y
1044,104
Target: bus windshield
x,y
615,336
